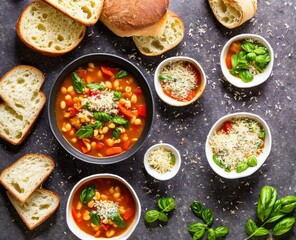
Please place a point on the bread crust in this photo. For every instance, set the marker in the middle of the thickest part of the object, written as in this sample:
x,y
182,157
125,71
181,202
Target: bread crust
x,y
45,217
135,18
43,97
42,51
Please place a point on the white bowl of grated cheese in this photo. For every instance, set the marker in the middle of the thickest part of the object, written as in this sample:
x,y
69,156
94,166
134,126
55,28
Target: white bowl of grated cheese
x,y
238,145
162,161
179,81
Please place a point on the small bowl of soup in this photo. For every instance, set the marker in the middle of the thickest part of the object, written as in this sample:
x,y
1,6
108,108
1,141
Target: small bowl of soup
x,y
247,60
179,81
103,206
101,108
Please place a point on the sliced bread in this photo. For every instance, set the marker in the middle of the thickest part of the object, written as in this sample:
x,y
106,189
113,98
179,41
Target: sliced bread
x,y
20,90
232,13
87,12
172,35
47,30
39,207
24,176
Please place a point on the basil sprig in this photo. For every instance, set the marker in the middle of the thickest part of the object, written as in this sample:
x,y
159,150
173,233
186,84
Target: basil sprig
x,y
87,194
94,218
121,74
270,211
117,219
102,116
96,86
77,82
85,131
198,229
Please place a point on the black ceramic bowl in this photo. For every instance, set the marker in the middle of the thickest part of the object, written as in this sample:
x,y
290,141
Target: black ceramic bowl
x,y
102,57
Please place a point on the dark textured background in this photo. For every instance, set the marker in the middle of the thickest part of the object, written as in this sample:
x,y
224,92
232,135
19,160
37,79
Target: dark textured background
x,y
233,201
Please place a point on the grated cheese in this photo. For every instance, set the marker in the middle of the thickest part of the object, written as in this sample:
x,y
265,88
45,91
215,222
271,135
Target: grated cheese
x,y
106,209
183,79
241,142
161,160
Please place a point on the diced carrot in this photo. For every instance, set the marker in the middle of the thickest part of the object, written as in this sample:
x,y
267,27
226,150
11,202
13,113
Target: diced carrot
x,y
98,233
99,146
107,71
235,47
191,95
105,227
73,111
81,73
84,149
128,214
125,111
113,150
69,102
142,111
126,145
138,91
74,214
228,61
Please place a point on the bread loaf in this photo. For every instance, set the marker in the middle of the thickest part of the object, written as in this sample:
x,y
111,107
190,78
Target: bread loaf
x,y
20,90
24,176
172,35
39,207
128,18
87,12
233,13
48,31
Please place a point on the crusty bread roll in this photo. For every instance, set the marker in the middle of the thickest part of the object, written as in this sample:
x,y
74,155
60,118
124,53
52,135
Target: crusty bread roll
x,y
128,18
172,35
233,13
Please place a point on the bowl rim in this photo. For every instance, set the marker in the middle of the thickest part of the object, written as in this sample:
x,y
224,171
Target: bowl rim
x,y
171,101
168,175
81,234
258,79
97,57
261,158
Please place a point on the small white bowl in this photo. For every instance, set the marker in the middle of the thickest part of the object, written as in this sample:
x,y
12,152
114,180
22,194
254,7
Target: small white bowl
x,y
169,100
258,79
81,234
168,175
261,158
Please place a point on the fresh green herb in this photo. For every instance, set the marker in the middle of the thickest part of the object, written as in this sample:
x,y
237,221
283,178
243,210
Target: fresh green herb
x,y
246,76
117,219
166,205
102,116
85,132
121,74
241,167
116,133
252,161
271,210
173,159
207,216
87,194
117,95
261,134
77,83
197,227
211,234
248,46
221,231
96,86
94,218
216,160
119,120
166,77
197,208
87,106
98,124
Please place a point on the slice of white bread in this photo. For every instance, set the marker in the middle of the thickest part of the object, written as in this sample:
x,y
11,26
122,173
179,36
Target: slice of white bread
x,y
48,31
87,12
233,13
172,35
20,90
39,207
24,176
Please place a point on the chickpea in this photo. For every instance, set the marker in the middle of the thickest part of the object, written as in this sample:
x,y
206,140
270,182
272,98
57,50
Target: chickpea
x,y
79,206
104,197
105,221
105,129
110,142
63,104
101,137
134,98
70,89
91,65
72,133
124,137
122,101
111,190
108,84
133,120
86,215
68,127
98,195
116,84
111,125
64,90
100,75
116,195
90,204
68,97
96,132
117,189
74,140
93,145
121,210
76,99
138,121
110,233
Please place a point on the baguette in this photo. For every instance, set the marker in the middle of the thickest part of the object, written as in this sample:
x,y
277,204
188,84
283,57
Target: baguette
x,y
39,207
84,11
48,31
24,176
23,101
172,35
233,13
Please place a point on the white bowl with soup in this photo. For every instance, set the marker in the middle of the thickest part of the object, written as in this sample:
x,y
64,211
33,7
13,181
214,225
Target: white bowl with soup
x,y
179,81
238,145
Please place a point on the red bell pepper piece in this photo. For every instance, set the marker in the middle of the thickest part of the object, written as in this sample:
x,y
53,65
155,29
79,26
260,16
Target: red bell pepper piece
x,y
142,111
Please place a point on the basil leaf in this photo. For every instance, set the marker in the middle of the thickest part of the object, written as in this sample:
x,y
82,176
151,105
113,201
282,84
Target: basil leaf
x,y
117,95
116,133
246,76
221,231
216,160
197,208
83,195
234,60
234,72
241,167
251,57
117,219
288,204
102,116
87,106
166,204
261,134
266,201
96,86
263,59
252,161
251,227
166,77
98,124
261,232
77,83
173,159
151,216
197,227
119,120
162,217
94,218
121,74
248,46
283,226
208,216
260,50
85,132
275,218
87,194
211,234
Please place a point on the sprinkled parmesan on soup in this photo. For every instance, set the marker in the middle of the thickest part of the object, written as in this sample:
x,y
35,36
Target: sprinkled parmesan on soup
x,y
106,209
237,144
161,159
